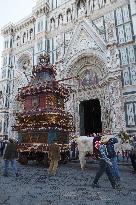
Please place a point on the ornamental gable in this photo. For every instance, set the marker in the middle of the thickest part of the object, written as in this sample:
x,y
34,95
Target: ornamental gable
x,y
84,38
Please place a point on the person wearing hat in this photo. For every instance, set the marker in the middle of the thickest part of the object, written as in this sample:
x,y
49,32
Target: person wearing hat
x,y
10,157
105,165
113,157
54,157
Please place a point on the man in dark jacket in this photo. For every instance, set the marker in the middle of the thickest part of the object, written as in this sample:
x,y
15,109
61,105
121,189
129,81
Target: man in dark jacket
x,y
9,157
113,157
105,165
54,157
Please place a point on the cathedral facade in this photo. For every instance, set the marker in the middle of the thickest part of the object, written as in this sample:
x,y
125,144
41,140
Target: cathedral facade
x,y
92,43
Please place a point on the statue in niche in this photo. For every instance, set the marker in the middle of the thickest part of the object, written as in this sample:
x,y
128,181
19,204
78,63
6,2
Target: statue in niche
x,y
111,32
111,121
81,9
59,41
95,4
52,24
115,57
91,5
69,16
101,3
60,20
115,94
108,60
107,2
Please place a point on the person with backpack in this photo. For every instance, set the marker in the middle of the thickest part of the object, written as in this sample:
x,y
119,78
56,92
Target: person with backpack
x,y
105,165
113,158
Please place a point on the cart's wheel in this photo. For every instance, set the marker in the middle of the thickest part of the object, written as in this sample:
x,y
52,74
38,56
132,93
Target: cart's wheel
x,y
23,160
46,160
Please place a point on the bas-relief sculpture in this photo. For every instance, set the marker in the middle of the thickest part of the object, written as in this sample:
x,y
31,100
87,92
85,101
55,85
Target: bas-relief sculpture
x,y
80,46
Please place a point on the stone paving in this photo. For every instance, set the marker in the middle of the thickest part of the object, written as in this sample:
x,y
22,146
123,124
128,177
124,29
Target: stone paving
x,y
71,186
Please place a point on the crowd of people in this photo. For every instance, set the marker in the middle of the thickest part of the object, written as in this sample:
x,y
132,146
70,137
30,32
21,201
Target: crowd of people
x,y
103,150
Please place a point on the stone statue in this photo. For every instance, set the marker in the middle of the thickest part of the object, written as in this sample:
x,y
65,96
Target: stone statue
x,y
69,17
91,5
60,20
96,5
108,60
115,57
111,32
81,9
59,41
101,3
52,24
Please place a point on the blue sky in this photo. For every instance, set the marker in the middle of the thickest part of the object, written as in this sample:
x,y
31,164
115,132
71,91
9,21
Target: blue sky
x,y
13,11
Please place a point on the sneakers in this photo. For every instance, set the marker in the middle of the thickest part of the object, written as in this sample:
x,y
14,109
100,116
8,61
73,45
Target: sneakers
x,y
117,187
95,185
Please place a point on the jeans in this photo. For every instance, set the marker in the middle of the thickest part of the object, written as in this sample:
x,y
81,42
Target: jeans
x,y
13,165
133,161
115,168
104,167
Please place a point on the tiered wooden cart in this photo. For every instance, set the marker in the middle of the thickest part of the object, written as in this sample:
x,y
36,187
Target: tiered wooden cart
x,y
43,117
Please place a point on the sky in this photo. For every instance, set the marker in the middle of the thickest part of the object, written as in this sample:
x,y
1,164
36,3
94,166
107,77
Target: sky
x,y
13,11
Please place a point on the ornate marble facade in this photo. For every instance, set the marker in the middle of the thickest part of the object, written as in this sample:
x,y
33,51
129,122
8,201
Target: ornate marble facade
x,y
92,42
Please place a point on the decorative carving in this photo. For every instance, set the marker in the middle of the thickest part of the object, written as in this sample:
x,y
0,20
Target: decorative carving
x,y
110,28
130,114
89,77
126,76
60,20
113,59
133,74
60,43
52,24
44,59
24,62
69,15
84,42
81,8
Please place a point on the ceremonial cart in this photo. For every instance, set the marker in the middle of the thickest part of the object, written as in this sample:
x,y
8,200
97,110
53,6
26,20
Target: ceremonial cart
x,y
43,117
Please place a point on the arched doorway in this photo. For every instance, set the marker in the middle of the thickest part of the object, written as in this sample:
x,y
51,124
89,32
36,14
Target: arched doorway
x,y
90,117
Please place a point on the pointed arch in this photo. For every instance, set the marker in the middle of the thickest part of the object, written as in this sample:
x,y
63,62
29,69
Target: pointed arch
x,y
84,31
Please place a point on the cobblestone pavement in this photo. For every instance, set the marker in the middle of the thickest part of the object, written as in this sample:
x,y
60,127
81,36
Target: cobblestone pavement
x,y
71,186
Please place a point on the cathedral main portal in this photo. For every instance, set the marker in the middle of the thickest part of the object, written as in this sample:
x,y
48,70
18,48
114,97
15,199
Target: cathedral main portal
x,y
90,117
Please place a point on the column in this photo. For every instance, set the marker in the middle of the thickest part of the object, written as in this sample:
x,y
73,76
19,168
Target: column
x,y
133,14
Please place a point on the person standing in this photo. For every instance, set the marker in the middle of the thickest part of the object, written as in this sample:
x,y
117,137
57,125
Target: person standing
x,y
73,147
96,141
54,157
10,157
113,157
132,154
2,147
133,159
105,165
